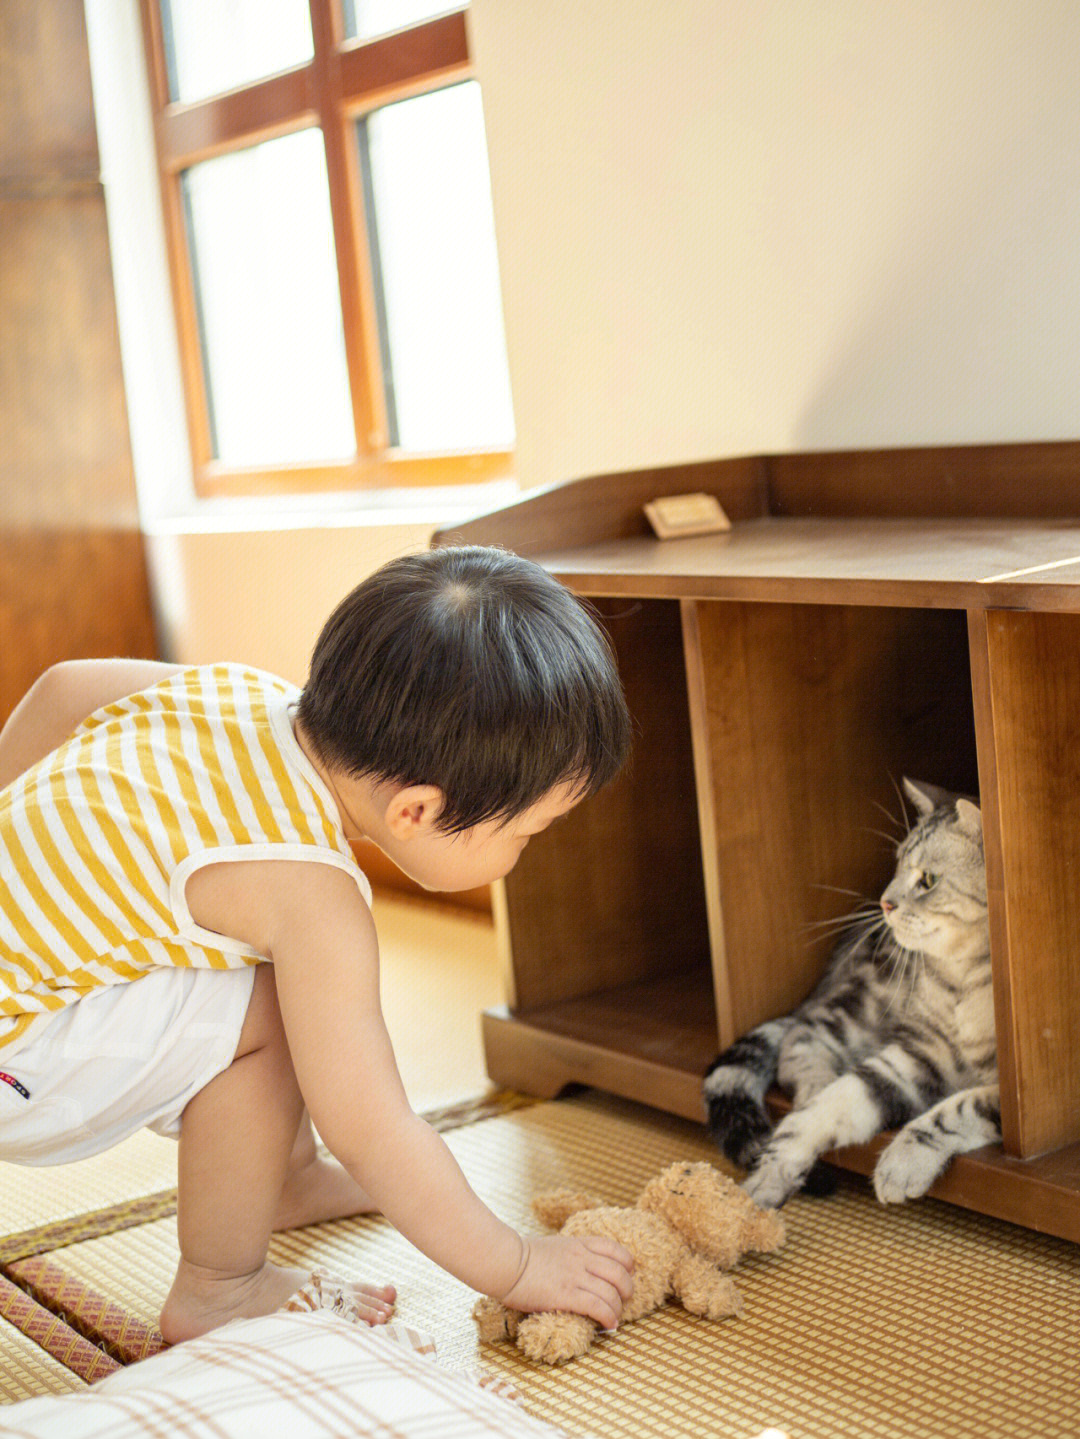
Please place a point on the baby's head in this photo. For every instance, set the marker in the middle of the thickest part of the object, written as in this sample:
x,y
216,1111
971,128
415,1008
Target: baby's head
x,y
471,671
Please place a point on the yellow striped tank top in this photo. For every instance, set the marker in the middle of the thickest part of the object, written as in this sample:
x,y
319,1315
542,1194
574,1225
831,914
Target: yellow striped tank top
x,y
98,840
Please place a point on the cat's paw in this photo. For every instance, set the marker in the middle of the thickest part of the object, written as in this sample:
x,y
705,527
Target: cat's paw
x,y
774,1180
785,1161
907,1168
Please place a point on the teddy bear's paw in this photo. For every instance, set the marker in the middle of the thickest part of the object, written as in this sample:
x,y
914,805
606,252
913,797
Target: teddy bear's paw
x,y
703,1290
721,1300
494,1322
553,1338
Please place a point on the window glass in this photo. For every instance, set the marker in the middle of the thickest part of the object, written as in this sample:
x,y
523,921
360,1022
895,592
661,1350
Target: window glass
x,y
433,250
365,19
269,307
216,45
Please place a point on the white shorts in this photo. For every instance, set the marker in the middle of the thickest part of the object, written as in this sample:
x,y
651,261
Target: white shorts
x,y
123,1058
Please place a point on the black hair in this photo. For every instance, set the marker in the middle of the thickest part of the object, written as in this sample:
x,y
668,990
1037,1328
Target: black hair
x,y
472,669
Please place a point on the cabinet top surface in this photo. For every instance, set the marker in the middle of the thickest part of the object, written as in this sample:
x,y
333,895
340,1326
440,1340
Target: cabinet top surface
x,y
961,563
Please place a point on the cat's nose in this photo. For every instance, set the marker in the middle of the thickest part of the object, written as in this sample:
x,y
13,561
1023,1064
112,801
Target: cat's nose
x,y
887,906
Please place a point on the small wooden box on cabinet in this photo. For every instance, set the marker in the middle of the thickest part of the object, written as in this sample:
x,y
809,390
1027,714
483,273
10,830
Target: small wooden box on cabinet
x,y
869,615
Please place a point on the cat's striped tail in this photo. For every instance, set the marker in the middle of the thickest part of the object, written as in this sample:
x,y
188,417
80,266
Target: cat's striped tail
x,y
735,1087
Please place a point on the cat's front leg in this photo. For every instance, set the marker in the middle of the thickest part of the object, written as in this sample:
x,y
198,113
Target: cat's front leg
x,y
844,1112
808,1063
924,1148
883,1092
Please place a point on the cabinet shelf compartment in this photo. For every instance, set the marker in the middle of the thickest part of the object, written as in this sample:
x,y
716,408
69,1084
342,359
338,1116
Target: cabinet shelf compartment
x,y
650,1041
805,718
605,913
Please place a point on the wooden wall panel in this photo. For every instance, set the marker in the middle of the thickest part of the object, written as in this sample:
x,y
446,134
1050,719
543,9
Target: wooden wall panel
x,y
48,131
65,460
73,579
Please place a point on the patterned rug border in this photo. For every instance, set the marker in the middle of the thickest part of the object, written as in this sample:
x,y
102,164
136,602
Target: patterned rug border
x,y
112,1218
53,1334
93,1224
104,1325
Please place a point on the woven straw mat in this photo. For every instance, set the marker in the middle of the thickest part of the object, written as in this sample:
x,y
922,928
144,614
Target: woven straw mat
x,y
873,1323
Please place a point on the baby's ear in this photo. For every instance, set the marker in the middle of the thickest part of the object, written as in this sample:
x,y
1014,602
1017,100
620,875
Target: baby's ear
x,y
414,809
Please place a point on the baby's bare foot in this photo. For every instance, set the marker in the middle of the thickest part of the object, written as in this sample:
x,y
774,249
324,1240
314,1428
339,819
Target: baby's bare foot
x,y
319,1191
203,1299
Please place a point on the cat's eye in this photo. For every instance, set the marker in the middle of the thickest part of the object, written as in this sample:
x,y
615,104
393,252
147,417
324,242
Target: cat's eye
x,y
925,881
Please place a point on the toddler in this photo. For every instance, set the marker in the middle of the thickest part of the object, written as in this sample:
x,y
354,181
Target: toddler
x,y
186,941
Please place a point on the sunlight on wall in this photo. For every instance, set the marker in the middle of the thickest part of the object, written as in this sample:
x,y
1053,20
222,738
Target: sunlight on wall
x,y
734,226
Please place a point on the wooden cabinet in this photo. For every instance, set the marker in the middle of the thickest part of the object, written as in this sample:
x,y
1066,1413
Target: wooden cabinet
x,y
868,616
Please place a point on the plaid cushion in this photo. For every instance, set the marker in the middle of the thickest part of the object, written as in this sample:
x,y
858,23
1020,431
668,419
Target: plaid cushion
x,y
297,1374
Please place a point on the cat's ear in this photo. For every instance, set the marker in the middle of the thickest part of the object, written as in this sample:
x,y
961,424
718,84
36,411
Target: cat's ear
x,y
969,818
925,797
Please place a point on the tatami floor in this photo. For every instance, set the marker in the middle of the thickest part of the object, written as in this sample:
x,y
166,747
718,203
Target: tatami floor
x,y
921,1322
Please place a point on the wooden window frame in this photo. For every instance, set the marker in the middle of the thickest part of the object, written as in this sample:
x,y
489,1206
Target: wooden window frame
x,y
345,79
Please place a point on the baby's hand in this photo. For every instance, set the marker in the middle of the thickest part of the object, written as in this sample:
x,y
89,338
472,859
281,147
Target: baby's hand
x,y
585,1274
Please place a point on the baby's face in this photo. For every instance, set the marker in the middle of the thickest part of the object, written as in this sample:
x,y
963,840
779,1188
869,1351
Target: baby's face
x,y
487,852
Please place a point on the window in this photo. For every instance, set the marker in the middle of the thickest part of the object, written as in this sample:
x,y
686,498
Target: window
x,y
331,243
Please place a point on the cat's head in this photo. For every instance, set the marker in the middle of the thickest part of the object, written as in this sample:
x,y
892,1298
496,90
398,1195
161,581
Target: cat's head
x,y
936,901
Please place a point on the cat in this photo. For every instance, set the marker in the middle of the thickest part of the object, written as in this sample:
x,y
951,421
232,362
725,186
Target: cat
x,y
898,1034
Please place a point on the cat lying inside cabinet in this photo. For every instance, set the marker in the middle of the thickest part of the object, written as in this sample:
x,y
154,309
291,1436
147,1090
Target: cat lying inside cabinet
x,y
899,1033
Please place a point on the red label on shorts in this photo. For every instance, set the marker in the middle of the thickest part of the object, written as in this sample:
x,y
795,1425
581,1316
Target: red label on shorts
x,y
19,1088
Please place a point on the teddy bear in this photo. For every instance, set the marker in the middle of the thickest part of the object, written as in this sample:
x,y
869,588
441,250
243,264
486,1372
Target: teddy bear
x,y
690,1223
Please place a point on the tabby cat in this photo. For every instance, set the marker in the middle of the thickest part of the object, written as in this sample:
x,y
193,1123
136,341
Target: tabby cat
x,y
898,1035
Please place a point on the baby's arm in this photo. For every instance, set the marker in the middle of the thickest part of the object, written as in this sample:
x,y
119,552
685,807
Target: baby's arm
x,y
60,699
312,921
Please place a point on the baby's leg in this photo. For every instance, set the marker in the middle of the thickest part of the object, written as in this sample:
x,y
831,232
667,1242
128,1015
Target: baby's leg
x,y
316,1186
236,1140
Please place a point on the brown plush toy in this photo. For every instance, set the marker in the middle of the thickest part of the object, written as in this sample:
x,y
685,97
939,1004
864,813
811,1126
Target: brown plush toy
x,y
690,1223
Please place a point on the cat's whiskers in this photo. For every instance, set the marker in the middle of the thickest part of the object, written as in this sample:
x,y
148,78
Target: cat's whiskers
x,y
905,818
905,962
901,824
838,921
896,958
859,921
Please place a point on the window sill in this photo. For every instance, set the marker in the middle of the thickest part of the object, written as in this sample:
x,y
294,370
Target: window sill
x,y
436,505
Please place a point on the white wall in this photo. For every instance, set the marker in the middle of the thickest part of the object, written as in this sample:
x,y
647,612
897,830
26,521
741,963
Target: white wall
x,y
260,595
729,226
